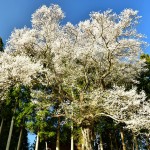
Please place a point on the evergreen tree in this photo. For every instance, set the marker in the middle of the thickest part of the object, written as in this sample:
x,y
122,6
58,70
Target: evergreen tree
x,y
144,78
1,45
16,105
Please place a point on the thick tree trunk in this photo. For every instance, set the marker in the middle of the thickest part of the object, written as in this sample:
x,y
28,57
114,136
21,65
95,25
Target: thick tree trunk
x,y
72,143
10,133
2,121
87,139
20,137
101,142
122,139
135,142
58,135
37,142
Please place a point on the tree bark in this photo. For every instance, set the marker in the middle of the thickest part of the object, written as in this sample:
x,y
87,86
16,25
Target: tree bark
x,y
2,121
20,137
46,146
116,144
111,144
133,146
10,133
87,138
58,135
37,142
101,142
135,142
122,139
72,143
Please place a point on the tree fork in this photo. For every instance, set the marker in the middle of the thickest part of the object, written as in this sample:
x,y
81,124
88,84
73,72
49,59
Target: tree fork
x,y
87,141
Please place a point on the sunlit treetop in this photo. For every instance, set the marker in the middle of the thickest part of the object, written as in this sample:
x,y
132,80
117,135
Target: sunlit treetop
x,y
94,58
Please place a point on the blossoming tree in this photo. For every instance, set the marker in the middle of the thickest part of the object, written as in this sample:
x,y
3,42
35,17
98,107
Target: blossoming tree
x,y
15,71
87,65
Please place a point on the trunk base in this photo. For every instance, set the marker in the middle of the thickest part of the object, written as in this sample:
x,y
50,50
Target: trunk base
x,y
87,139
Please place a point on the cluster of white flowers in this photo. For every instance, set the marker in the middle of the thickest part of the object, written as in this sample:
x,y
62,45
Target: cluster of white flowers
x,y
17,70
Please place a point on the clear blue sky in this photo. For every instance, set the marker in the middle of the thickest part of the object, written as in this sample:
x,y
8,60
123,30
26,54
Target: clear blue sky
x,y
17,13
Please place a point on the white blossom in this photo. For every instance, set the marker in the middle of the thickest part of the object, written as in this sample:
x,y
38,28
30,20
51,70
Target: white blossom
x,y
85,61
17,70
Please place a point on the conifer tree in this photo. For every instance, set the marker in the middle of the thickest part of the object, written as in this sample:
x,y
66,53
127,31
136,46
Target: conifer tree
x,y
144,78
1,45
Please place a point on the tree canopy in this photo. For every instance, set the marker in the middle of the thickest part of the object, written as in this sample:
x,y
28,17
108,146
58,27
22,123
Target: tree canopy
x,y
79,71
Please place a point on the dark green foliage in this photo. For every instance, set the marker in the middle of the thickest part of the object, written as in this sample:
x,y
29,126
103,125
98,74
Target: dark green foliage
x,y
144,78
15,136
1,45
48,134
110,132
17,103
4,134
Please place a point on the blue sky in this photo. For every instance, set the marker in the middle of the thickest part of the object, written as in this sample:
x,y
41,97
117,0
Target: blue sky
x,y
17,13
